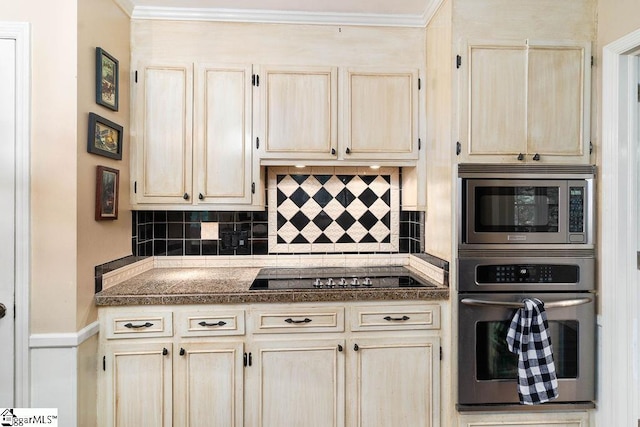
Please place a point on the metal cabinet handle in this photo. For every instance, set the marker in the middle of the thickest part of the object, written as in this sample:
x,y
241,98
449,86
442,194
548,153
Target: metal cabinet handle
x,y
132,326
503,304
3,310
348,150
396,319
520,156
220,323
165,351
182,351
536,157
185,196
200,196
333,151
290,320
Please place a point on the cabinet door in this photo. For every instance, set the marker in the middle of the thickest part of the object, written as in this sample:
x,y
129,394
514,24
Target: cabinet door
x,y
222,134
163,142
393,382
496,121
296,383
136,390
380,114
298,112
525,102
208,384
558,102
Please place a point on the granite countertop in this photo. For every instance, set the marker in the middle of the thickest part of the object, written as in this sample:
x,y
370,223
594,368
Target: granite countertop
x,y
226,285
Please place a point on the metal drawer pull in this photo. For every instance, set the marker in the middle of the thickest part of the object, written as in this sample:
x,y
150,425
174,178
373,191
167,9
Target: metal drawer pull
x,y
220,323
397,319
290,320
132,326
554,304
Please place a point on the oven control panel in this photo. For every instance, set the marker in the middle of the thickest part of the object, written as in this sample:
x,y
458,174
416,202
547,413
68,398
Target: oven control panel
x,y
528,273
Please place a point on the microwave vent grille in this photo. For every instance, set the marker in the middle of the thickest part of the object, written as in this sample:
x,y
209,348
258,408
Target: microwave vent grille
x,y
527,253
526,169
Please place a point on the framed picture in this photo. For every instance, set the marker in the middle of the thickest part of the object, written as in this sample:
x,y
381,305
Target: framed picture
x,y
107,192
106,79
104,137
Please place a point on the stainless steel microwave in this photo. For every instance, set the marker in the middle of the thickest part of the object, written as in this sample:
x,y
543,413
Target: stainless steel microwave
x,y
526,205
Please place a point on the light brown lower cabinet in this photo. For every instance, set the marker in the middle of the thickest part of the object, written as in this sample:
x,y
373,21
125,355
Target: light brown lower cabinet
x,y
365,365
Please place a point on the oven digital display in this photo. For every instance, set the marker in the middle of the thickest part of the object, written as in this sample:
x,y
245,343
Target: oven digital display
x,y
528,273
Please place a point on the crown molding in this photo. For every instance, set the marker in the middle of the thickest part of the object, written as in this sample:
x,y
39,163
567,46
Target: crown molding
x,y
279,17
276,17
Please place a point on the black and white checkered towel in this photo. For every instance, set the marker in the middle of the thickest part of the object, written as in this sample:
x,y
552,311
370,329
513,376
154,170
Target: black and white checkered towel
x,y
529,339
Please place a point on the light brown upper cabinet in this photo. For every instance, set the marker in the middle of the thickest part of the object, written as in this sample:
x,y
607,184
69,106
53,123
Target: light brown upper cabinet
x,y
525,102
379,113
192,139
326,113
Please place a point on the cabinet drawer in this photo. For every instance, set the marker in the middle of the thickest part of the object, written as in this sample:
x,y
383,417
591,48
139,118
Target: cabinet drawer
x,y
314,319
376,318
210,323
138,325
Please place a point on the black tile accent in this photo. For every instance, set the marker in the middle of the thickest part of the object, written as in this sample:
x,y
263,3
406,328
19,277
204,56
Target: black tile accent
x,y
368,197
322,197
322,220
299,178
281,220
368,179
159,247
260,247
299,239
386,197
175,247
160,230
299,221
345,238
159,216
175,231
345,179
299,197
345,220
368,220
175,216
209,247
192,247
192,230
322,179
368,238
259,230
345,197
322,238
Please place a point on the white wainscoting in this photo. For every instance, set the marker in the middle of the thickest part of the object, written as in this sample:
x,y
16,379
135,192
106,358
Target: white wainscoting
x,y
54,372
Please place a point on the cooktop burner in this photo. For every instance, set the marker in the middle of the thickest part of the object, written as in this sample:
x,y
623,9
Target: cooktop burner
x,y
336,278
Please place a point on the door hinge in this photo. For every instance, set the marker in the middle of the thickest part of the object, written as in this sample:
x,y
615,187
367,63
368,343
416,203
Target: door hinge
x,y
458,61
419,84
440,353
638,92
255,80
135,187
419,144
592,60
590,147
257,142
458,148
104,363
135,78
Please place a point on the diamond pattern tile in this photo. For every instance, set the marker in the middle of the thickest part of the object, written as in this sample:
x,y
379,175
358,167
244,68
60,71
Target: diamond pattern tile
x,y
339,211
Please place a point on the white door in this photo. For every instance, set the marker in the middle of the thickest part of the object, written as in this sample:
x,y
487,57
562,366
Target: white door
x,y
7,217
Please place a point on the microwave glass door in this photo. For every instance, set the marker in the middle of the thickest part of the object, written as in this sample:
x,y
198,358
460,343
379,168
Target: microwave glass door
x,y
516,209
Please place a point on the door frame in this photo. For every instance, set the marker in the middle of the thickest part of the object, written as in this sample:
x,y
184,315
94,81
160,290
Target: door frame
x,y
618,388
21,33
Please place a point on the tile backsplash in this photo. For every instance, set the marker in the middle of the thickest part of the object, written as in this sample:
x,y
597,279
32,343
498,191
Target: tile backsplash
x,y
326,209
362,214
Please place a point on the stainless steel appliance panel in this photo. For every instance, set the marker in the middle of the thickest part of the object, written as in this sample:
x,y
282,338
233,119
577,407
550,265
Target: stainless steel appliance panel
x,y
487,372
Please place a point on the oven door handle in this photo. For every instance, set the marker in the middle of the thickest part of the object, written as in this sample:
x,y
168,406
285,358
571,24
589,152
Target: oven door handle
x,y
554,304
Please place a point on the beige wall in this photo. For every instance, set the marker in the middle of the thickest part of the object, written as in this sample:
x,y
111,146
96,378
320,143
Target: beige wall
x,y
100,24
66,243
53,160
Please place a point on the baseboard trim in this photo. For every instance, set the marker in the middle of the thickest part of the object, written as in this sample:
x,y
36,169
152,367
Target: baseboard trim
x,y
61,340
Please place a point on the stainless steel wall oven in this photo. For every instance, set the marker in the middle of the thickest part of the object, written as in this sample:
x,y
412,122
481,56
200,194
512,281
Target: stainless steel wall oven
x,y
491,288
526,231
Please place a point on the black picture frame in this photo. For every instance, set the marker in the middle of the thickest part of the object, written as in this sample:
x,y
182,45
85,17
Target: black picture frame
x,y
107,193
104,137
107,79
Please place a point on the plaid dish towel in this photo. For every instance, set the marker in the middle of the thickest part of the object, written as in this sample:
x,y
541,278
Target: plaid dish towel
x,y
529,339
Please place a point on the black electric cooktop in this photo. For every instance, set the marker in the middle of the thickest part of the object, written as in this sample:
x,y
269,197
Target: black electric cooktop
x,y
337,278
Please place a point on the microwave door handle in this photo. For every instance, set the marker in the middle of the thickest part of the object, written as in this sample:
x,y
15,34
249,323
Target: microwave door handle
x,y
502,304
